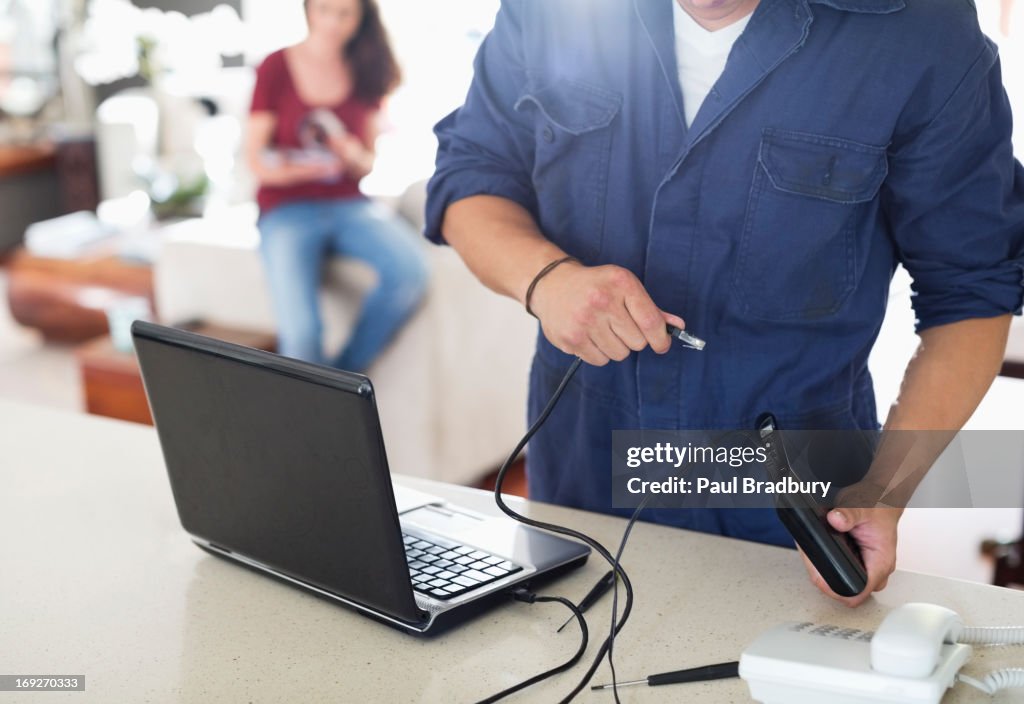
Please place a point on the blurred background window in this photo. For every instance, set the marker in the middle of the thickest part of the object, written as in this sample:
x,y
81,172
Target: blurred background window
x,y
1001,20
28,62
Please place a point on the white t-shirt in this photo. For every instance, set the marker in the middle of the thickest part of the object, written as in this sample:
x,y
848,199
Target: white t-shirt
x,y
701,56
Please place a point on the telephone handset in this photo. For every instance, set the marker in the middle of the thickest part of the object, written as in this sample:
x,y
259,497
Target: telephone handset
x,y
913,656
909,641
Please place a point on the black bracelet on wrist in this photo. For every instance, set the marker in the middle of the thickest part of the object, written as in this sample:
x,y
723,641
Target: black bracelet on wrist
x,y
540,275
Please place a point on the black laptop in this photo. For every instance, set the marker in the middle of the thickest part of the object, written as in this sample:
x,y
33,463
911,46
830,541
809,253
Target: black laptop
x,y
279,465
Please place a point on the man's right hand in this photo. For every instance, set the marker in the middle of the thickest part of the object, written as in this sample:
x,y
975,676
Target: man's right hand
x,y
600,313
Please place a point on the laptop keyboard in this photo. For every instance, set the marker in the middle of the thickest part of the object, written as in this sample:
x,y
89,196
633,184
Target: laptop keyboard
x,y
445,569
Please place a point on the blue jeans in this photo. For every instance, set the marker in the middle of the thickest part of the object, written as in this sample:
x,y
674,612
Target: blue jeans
x,y
297,238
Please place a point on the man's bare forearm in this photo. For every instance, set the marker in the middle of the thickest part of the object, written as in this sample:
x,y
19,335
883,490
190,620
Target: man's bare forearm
x,y
499,241
943,385
952,370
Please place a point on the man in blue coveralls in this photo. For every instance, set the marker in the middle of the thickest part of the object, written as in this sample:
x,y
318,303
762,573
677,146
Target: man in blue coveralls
x,y
759,168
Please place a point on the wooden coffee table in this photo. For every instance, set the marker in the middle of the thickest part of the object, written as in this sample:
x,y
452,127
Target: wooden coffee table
x,y
65,299
113,383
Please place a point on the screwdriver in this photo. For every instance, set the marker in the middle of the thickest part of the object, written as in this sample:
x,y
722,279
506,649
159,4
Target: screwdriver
x,y
599,590
721,671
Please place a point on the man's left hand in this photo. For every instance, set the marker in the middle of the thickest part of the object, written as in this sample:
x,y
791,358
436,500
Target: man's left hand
x,y
874,531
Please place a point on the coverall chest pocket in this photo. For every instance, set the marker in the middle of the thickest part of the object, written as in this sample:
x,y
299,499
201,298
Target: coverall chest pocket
x,y
573,144
798,252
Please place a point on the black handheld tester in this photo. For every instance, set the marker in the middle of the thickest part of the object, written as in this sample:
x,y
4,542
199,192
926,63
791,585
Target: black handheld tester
x,y
835,555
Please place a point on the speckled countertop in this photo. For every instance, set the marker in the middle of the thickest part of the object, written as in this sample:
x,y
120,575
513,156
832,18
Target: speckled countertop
x,y
97,578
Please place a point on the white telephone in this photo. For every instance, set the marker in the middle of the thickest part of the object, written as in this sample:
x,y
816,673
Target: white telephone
x,y
913,656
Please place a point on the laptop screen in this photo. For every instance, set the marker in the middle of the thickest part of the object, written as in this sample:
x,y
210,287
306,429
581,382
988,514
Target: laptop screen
x,y
279,461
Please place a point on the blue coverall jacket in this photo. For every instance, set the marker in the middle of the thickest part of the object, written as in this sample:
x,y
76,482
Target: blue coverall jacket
x,y
843,138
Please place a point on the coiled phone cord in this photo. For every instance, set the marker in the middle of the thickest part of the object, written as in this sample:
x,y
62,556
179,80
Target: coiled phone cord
x,y
991,635
995,681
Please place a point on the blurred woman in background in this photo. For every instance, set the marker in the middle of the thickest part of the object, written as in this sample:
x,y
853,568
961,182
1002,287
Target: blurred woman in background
x,y
312,129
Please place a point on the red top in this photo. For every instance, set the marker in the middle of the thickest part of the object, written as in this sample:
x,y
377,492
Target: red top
x,y
275,92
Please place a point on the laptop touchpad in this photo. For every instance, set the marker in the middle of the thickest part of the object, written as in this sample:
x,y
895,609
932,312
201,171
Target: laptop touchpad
x,y
443,519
